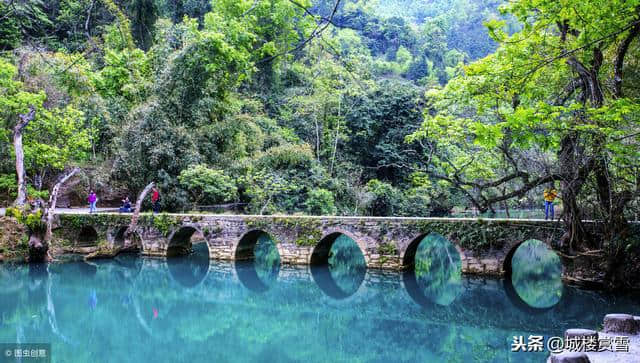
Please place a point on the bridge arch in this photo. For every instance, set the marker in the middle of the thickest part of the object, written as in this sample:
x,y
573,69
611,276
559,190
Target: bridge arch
x,y
190,271
345,281
439,278
116,237
409,256
87,236
320,253
244,248
507,267
253,277
179,241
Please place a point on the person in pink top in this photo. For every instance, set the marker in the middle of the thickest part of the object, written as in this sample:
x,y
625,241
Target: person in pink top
x,y
92,199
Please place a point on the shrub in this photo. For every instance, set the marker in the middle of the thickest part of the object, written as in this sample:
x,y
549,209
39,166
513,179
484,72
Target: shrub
x,y
208,185
320,202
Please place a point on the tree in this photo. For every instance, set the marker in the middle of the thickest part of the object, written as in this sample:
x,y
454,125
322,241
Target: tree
x,y
46,139
320,202
208,185
144,14
21,199
189,95
553,104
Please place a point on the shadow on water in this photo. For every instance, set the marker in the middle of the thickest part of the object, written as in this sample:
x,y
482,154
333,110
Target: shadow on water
x,y
344,270
190,270
536,277
260,270
437,274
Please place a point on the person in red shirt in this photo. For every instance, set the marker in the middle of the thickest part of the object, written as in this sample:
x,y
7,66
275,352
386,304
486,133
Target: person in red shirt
x,y
155,200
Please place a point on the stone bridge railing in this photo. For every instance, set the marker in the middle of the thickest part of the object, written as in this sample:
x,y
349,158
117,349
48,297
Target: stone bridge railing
x,y
485,245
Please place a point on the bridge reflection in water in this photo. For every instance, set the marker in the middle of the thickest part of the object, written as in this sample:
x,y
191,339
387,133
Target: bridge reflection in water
x,y
258,265
533,282
116,302
338,266
190,270
534,277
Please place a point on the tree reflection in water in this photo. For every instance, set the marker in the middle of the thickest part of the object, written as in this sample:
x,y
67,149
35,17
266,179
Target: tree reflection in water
x,y
267,259
346,264
220,320
438,269
537,274
344,271
261,272
191,269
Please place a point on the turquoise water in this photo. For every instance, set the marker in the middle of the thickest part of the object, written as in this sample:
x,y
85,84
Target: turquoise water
x,y
186,309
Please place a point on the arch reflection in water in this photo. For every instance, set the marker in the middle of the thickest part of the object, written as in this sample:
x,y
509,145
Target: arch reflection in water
x,y
257,261
536,275
338,266
190,270
437,275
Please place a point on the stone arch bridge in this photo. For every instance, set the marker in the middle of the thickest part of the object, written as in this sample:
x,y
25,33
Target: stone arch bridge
x,y
485,245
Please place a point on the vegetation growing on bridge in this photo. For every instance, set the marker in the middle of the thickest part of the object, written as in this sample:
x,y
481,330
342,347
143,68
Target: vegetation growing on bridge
x,y
307,232
482,235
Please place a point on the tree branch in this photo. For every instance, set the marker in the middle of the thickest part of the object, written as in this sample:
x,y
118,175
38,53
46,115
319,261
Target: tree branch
x,y
136,213
53,199
315,33
619,62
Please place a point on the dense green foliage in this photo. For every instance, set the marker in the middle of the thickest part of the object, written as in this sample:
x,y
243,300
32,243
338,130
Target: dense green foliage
x,y
555,104
266,103
388,107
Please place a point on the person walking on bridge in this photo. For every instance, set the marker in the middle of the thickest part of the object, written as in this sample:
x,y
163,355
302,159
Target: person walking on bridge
x,y
549,195
155,200
92,199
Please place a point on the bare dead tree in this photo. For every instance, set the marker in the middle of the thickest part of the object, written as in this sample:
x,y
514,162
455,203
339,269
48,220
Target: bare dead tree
x,y
136,213
21,199
53,199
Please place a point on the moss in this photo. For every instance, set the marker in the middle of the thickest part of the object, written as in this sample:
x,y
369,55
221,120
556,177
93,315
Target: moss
x,y
164,223
308,231
481,235
34,222
257,223
14,213
308,239
13,239
383,260
387,249
77,221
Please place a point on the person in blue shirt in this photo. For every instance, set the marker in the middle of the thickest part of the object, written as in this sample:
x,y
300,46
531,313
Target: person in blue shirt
x,y
126,206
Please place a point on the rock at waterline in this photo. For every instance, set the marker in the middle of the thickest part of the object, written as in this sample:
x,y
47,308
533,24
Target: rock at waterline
x,y
620,323
569,357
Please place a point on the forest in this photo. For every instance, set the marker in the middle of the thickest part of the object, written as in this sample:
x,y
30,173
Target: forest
x,y
346,107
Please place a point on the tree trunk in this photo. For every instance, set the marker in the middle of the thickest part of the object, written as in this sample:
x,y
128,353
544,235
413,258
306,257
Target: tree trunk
x,y
575,234
574,176
53,199
21,199
136,213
